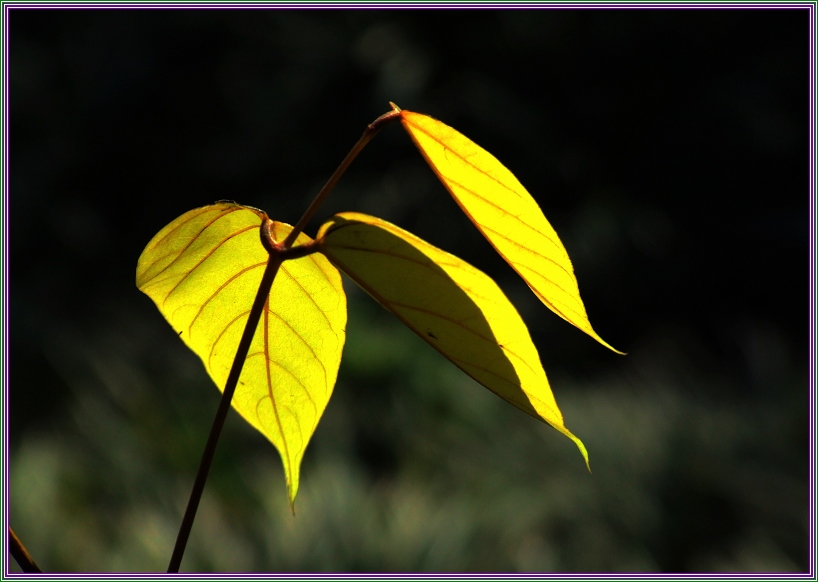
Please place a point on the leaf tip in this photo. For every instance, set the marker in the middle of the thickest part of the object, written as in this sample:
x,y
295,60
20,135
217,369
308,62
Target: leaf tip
x,y
613,349
595,335
584,452
610,347
291,493
577,442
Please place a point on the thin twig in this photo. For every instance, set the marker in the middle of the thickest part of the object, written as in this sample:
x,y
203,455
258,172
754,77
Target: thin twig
x,y
278,253
371,131
273,263
20,553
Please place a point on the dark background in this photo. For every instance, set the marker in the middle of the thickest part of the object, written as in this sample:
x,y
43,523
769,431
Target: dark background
x,y
668,148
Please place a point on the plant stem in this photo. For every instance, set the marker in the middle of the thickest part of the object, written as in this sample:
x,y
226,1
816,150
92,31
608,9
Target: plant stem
x,y
20,553
273,263
371,131
279,252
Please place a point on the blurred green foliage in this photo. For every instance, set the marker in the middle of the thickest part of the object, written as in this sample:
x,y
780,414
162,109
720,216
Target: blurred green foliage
x,y
414,467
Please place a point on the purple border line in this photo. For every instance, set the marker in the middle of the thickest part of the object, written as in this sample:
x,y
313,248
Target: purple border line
x,y
812,385
324,4
249,577
391,576
812,330
5,293
6,184
5,314
7,6
811,300
375,576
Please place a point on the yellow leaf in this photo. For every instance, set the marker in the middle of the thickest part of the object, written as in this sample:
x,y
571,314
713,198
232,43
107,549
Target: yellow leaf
x,y
503,210
457,309
203,270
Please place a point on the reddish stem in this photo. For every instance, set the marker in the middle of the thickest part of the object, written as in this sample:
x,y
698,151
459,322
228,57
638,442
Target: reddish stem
x,y
263,294
20,553
371,131
279,252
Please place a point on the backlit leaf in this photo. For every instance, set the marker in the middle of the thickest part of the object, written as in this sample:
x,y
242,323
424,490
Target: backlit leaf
x,y
203,270
503,210
456,308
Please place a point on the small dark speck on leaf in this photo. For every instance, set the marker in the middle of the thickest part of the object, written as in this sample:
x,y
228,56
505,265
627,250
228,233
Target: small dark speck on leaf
x,y
431,335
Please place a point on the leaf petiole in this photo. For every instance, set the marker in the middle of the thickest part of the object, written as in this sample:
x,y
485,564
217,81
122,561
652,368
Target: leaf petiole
x,y
371,131
285,253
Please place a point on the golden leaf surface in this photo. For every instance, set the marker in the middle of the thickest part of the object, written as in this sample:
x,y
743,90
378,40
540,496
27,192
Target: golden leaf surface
x,y
456,308
503,210
203,271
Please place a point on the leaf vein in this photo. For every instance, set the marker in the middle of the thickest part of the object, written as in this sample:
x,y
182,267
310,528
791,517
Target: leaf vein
x,y
466,161
216,292
219,337
300,337
193,239
270,387
309,296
